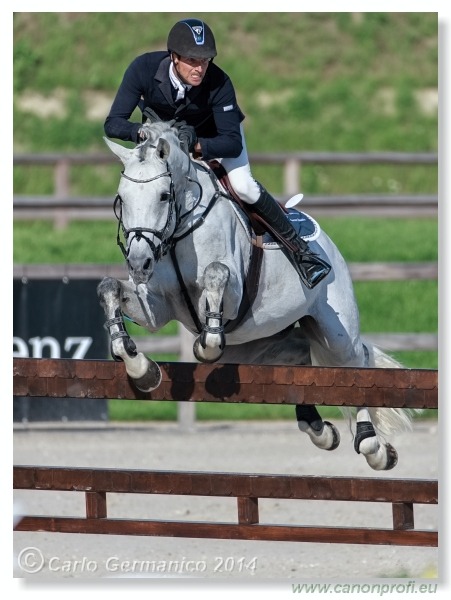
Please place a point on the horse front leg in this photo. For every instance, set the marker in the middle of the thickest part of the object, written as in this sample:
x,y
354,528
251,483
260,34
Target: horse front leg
x,y
145,373
209,345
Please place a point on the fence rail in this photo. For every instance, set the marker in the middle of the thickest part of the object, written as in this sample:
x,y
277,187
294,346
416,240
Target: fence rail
x,y
247,488
230,383
63,209
386,271
63,206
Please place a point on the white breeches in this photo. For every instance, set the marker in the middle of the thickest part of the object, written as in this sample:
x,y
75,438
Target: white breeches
x,y
240,176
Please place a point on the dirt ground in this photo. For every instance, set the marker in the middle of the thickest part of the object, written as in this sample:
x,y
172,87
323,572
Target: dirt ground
x,y
256,447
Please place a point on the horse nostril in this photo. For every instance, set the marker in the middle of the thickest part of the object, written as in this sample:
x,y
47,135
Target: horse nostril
x,y
147,264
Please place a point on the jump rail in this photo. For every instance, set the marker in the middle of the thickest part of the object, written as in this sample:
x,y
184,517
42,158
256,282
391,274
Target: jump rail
x,y
246,488
252,384
230,383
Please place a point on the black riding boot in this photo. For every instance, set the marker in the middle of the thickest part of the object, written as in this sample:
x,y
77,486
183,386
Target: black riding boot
x,y
310,267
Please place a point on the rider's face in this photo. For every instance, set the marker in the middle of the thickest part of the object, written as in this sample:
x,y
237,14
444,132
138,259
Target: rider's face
x,y
191,70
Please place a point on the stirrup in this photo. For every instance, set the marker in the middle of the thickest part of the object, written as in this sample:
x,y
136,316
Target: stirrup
x,y
310,272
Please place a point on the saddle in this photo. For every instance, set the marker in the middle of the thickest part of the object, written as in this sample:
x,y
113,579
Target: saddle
x,y
259,229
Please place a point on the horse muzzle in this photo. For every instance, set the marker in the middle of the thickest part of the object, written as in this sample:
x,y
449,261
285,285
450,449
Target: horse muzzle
x,y
140,271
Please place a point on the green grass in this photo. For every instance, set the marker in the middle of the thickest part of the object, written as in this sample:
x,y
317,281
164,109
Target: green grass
x,y
359,240
135,410
394,305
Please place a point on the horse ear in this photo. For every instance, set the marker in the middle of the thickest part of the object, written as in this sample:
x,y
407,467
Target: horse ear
x,y
121,152
163,149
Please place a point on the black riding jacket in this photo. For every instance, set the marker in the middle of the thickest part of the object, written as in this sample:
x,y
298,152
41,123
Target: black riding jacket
x,y
211,107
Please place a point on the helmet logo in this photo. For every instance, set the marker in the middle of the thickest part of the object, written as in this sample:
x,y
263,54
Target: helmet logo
x,y
197,29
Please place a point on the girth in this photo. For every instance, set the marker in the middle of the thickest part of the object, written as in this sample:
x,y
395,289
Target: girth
x,y
250,287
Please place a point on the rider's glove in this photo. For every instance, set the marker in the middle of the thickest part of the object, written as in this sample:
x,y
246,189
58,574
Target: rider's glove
x,y
187,137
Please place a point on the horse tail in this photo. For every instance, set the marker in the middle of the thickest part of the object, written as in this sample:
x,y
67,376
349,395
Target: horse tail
x,y
388,420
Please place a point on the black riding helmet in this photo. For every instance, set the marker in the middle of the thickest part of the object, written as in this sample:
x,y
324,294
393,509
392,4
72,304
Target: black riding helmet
x,y
192,38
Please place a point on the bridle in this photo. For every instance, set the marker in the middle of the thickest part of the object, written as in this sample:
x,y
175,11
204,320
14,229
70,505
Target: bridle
x,y
141,232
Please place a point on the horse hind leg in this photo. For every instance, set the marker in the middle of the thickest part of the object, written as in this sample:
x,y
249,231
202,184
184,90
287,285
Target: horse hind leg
x,y
209,345
372,422
145,373
322,433
380,456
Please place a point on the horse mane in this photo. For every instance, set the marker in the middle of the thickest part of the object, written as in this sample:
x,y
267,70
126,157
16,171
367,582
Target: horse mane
x,y
155,130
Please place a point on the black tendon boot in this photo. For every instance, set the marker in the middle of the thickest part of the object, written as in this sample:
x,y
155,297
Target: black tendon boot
x,y
310,267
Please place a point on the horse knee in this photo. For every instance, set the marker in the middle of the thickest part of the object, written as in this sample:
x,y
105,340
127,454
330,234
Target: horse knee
x,y
108,290
216,276
215,279
210,344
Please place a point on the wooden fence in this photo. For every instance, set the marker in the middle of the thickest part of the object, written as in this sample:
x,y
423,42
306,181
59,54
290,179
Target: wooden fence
x,y
230,383
62,206
402,494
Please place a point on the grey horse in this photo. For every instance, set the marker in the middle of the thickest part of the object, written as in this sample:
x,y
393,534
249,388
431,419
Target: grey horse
x,y
189,251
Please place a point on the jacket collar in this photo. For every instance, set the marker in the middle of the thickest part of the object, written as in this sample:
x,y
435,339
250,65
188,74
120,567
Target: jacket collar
x,y
162,76
165,85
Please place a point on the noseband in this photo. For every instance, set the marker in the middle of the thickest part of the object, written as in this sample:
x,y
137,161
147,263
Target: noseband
x,y
140,232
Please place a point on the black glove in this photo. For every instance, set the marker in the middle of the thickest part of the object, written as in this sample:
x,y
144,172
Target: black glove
x,y
187,137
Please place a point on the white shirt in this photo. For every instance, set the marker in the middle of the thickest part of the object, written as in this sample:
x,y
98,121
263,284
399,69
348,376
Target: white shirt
x,y
181,87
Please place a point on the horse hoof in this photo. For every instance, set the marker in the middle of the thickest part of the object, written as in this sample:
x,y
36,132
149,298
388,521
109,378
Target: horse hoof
x,y
325,436
206,354
392,457
144,372
150,380
384,459
335,435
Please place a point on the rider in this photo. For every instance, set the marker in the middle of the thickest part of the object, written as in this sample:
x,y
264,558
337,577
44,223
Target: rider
x,y
184,84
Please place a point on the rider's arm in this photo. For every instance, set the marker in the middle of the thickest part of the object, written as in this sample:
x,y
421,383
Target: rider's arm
x,y
227,116
228,142
117,124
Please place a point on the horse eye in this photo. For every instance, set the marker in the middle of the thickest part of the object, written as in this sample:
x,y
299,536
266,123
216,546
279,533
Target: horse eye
x,y
165,196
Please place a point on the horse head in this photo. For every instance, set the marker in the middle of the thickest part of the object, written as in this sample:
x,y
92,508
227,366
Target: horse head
x,y
145,204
